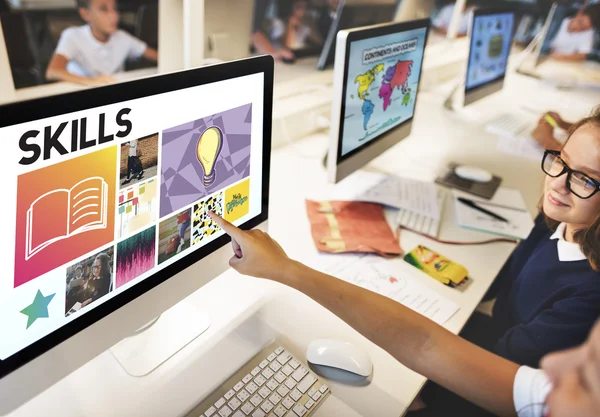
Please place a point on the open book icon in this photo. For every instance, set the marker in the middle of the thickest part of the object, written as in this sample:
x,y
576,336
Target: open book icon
x,y
62,213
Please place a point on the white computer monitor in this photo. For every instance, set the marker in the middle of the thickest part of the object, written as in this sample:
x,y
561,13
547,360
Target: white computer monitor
x,y
227,29
105,213
408,10
376,84
353,14
490,37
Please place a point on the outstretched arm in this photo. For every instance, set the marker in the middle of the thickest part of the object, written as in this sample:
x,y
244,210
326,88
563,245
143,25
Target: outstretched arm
x,y
415,341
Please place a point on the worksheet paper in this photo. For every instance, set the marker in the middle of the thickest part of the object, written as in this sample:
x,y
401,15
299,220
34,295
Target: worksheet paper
x,y
522,147
390,190
388,277
507,202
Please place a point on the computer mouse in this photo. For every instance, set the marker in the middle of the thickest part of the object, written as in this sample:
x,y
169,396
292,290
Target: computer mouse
x,y
339,355
474,174
288,60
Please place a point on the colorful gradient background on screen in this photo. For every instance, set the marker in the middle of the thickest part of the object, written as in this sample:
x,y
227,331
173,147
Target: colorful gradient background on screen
x,y
64,175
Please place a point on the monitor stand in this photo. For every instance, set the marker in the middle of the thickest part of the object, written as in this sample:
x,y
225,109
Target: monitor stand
x,y
450,102
156,342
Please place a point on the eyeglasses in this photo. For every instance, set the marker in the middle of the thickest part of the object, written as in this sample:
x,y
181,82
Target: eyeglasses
x,y
580,184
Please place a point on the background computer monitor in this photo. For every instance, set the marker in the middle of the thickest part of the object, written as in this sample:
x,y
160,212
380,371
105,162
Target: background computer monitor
x,y
490,36
353,14
227,29
541,42
376,81
73,209
408,10
300,26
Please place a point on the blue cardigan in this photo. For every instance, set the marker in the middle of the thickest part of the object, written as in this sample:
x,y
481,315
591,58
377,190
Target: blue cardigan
x,y
543,305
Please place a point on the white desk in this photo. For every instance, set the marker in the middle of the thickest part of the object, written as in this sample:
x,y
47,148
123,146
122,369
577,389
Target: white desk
x,y
65,87
247,313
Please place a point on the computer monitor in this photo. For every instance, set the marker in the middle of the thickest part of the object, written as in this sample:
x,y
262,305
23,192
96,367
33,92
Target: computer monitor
x,y
376,81
227,29
105,214
351,14
408,10
490,36
299,26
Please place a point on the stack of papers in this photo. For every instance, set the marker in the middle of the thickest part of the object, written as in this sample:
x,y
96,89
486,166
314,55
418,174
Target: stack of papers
x,y
390,190
404,193
520,146
507,203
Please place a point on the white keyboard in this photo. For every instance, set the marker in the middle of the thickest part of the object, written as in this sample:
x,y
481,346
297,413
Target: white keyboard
x,y
420,223
272,384
509,125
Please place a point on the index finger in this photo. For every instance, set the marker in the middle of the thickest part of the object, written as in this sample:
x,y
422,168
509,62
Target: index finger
x,y
229,228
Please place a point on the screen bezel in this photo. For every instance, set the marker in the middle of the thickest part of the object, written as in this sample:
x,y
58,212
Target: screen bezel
x,y
31,110
363,34
486,12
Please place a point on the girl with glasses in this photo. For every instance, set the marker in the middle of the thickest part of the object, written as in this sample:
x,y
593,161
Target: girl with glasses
x,y
548,292
567,386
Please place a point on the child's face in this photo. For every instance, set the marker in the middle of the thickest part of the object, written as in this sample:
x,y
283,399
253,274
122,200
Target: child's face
x,y
581,153
581,22
300,8
102,15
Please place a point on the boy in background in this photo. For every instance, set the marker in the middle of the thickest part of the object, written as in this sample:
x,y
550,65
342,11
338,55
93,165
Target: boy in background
x,y
575,38
90,54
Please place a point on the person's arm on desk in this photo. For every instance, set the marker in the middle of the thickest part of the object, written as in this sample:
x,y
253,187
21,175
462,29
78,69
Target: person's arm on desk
x,y
544,135
412,339
576,57
264,46
57,71
151,54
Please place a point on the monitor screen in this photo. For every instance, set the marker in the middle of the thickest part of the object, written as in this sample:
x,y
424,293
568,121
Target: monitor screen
x,y
380,88
491,39
101,199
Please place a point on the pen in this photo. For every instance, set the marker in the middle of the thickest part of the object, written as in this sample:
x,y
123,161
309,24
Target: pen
x,y
472,204
550,120
485,203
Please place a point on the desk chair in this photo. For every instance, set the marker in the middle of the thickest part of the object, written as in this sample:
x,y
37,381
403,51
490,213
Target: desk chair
x,y
24,63
146,29
146,24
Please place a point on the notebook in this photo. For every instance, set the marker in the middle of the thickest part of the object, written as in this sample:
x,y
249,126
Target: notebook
x,y
507,202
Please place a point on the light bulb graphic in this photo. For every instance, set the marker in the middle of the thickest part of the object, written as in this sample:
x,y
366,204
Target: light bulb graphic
x,y
209,147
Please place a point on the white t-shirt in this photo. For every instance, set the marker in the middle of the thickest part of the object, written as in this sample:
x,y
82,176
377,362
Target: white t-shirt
x,y
133,148
444,17
89,57
530,390
574,42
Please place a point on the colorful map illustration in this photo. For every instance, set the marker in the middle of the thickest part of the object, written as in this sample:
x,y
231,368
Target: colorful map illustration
x,y
381,86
